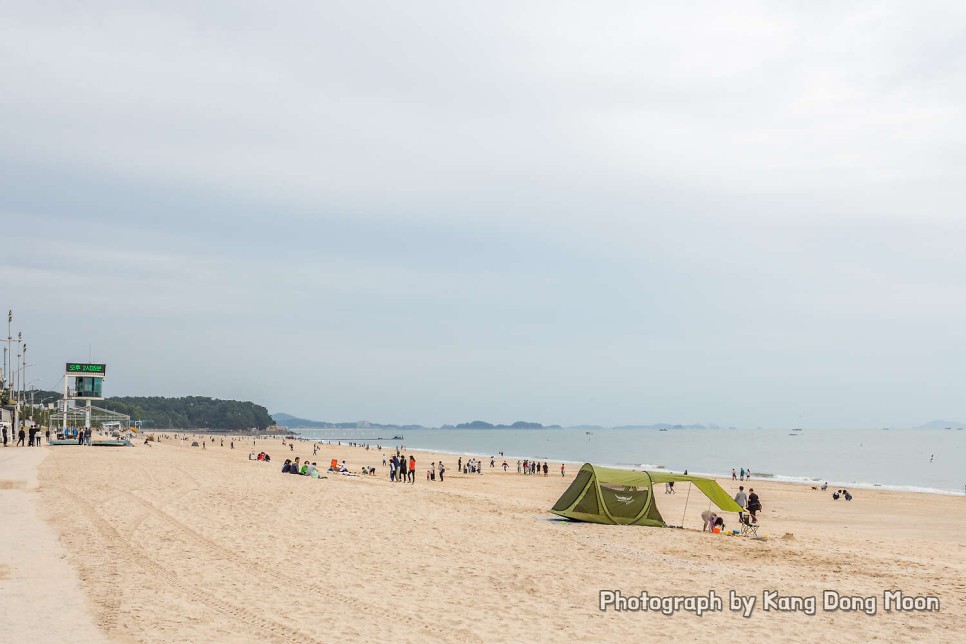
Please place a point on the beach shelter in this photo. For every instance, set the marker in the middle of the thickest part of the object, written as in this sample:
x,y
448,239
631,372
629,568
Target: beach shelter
x,y
624,497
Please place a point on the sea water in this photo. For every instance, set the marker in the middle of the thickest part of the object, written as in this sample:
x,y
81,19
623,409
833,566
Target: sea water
x,y
926,460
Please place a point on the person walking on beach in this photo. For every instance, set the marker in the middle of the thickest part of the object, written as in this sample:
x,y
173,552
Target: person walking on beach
x,y
545,468
441,470
734,475
459,465
741,499
742,474
563,471
754,505
412,468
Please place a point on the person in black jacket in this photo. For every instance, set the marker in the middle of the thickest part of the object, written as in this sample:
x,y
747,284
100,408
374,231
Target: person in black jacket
x,y
754,505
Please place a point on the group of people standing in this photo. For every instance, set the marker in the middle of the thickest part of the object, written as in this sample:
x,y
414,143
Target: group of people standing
x,y
435,467
533,467
32,435
402,468
741,475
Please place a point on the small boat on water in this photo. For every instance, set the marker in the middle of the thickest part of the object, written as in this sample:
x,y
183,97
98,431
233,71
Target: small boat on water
x,y
397,438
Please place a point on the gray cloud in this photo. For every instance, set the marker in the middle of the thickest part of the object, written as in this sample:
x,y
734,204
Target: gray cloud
x,y
436,211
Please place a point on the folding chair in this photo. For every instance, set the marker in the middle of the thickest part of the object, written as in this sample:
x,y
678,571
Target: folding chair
x,y
749,528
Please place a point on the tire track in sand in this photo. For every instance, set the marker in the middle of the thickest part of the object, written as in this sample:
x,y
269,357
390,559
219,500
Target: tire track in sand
x,y
274,573
135,556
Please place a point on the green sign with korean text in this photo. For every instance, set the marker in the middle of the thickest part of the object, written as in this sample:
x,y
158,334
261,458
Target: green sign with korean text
x,y
87,369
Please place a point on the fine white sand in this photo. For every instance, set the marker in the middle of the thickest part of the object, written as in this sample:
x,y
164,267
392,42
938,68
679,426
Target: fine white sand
x,y
182,544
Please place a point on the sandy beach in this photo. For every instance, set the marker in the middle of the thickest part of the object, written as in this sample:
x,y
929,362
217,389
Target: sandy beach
x,y
175,543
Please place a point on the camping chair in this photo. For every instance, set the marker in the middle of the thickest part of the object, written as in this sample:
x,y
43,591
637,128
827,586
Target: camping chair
x,y
748,527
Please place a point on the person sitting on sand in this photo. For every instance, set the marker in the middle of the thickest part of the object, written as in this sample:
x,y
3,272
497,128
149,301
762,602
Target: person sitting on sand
x,y
824,486
836,495
286,466
709,518
295,467
845,493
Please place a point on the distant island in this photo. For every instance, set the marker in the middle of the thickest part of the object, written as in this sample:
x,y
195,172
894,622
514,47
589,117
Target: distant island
x,y
942,424
294,422
482,424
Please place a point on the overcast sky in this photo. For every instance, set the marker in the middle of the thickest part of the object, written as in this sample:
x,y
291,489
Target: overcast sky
x,y
432,212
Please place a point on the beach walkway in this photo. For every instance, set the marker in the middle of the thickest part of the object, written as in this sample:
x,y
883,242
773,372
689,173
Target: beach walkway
x,y
40,594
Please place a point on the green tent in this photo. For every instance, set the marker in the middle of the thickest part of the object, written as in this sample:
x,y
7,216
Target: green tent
x,y
623,497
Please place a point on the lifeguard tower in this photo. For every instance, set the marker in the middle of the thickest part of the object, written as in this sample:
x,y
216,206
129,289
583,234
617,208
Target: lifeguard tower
x,y
77,409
